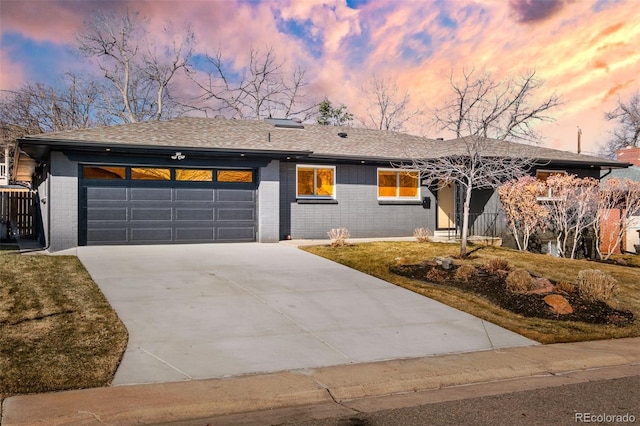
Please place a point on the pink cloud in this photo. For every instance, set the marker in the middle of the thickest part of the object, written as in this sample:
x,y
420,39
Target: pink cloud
x,y
11,73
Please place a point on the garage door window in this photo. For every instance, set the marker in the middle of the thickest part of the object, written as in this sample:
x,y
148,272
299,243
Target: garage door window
x,y
239,176
164,174
194,175
150,173
103,172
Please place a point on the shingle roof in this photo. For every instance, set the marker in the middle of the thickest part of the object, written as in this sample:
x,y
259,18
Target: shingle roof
x,y
321,141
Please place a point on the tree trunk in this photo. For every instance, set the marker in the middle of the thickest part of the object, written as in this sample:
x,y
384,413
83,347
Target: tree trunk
x,y
465,221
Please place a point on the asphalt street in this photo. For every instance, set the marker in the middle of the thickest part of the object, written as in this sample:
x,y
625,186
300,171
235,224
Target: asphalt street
x,y
607,396
615,401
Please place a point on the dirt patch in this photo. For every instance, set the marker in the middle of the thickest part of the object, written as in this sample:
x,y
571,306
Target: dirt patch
x,y
492,286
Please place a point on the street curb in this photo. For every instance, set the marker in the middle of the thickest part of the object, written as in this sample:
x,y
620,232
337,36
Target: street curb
x,y
183,401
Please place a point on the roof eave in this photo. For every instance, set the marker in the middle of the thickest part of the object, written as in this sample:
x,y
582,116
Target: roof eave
x,y
40,146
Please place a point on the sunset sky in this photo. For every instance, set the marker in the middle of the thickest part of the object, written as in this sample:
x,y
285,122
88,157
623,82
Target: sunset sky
x,y
588,51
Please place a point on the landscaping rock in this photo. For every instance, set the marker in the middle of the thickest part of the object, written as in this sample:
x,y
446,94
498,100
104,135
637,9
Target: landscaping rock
x,y
541,286
558,304
445,262
492,286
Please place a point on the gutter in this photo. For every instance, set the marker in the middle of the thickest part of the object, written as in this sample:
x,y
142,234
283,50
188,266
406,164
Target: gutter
x,y
145,149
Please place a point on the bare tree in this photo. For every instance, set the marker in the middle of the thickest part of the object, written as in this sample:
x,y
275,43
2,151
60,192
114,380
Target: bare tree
x,y
263,88
619,202
572,207
477,110
499,109
474,164
37,108
627,131
138,71
387,107
525,214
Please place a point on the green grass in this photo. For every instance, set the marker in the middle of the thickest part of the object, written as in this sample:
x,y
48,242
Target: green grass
x,y
376,258
57,330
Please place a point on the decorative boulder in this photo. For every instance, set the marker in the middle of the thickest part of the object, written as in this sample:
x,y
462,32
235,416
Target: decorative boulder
x,y
558,304
445,262
542,286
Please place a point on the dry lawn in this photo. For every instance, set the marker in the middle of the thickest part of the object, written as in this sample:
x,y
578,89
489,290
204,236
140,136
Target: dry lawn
x,y
57,331
376,258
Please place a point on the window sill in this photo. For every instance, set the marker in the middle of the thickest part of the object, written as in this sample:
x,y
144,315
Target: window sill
x,y
316,201
400,202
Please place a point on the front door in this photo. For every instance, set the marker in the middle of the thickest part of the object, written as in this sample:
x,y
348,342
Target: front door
x,y
445,218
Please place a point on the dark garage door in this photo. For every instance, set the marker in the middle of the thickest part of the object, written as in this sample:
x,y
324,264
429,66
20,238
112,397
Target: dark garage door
x,y
127,211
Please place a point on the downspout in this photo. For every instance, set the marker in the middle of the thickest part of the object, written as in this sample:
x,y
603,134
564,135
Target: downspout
x,y
48,237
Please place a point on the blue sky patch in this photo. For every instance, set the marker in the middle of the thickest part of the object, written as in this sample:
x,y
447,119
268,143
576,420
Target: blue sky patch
x,y
444,20
42,61
417,47
303,31
202,64
603,4
355,4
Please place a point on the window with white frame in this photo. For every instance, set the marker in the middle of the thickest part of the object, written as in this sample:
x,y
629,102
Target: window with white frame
x,y
315,181
398,184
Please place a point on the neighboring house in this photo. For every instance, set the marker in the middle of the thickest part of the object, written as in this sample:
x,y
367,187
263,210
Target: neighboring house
x,y
632,236
192,180
16,202
4,167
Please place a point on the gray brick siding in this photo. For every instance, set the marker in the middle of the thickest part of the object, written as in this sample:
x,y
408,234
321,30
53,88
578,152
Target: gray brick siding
x,y
357,208
269,203
63,202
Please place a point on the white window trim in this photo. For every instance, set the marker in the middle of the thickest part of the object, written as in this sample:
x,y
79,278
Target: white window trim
x,y
549,196
397,196
316,197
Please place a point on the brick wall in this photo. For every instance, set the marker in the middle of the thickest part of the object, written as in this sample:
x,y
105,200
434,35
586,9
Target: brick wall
x,y
269,203
63,202
357,208
629,155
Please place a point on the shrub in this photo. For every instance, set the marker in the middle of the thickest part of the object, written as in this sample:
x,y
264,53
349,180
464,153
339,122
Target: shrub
x,y
435,275
464,272
423,235
565,287
338,237
519,281
496,264
593,284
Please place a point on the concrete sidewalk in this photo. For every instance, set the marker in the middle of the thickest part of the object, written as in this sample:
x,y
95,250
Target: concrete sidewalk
x,y
328,391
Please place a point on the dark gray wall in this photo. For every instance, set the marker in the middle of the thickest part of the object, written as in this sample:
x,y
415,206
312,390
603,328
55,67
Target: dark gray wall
x,y
357,207
62,202
60,187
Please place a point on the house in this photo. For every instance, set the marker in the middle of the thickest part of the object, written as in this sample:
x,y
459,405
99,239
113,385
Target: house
x,y
631,238
16,202
4,167
189,180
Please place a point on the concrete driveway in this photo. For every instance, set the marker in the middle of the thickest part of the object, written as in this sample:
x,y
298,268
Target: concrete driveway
x,y
216,310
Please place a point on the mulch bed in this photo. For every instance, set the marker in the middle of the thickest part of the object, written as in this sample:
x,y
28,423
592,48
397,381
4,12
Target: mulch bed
x,y
491,285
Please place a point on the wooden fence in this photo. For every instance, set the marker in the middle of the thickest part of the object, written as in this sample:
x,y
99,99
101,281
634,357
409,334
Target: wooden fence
x,y
18,213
